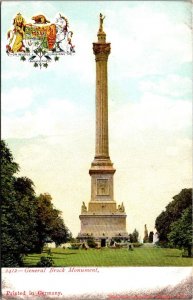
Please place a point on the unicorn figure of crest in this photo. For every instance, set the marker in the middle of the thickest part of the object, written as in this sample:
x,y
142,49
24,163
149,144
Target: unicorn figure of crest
x,y
63,35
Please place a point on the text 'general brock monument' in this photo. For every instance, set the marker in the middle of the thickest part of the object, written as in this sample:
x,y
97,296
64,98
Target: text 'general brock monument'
x,y
102,220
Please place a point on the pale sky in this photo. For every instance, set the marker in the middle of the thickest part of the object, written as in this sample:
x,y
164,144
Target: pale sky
x,y
48,116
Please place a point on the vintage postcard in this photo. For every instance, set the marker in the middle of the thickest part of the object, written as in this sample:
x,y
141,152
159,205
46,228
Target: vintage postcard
x,y
96,149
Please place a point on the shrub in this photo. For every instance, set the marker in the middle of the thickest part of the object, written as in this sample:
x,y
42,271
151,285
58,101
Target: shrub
x,y
137,245
45,262
163,244
75,246
91,243
117,239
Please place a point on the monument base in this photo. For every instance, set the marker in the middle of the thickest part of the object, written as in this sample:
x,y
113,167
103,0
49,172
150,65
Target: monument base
x,y
100,226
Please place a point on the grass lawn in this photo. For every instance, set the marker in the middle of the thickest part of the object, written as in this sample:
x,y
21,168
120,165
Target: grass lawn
x,y
113,257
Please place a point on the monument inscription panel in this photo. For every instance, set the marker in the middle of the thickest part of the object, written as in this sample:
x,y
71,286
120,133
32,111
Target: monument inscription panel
x,y
102,187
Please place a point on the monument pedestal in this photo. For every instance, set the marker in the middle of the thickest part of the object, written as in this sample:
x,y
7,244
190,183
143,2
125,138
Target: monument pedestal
x,y
103,225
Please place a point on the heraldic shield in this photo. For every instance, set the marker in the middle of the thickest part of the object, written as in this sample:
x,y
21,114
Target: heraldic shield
x,y
41,41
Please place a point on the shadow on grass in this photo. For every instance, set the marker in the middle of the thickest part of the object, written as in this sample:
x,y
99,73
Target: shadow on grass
x,y
172,255
180,256
33,256
56,258
63,253
42,254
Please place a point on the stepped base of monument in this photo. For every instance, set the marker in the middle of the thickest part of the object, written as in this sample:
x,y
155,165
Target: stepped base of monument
x,y
101,226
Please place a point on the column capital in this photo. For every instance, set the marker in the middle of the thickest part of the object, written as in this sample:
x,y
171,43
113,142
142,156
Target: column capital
x,y
99,48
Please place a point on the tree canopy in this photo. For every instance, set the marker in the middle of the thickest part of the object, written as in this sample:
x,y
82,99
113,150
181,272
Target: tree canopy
x,y
50,223
134,237
174,225
28,221
9,250
172,213
181,232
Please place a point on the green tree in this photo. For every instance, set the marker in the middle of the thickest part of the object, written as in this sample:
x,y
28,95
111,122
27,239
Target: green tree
x,y
135,236
26,211
151,237
172,213
27,221
60,233
50,224
18,208
181,232
10,255
131,238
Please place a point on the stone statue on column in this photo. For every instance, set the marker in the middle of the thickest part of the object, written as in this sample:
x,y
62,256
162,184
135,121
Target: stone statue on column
x,y
101,22
83,208
121,208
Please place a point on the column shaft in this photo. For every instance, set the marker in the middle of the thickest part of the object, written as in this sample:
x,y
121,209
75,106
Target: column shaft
x,y
102,148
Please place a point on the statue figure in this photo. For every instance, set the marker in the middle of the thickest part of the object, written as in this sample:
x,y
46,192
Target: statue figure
x,y
83,207
121,207
101,22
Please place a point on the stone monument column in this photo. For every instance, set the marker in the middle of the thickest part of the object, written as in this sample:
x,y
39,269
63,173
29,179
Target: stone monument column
x,y
101,50
102,220
101,170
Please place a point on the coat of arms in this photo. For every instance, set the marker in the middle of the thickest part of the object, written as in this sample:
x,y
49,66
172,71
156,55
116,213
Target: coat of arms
x,y
40,42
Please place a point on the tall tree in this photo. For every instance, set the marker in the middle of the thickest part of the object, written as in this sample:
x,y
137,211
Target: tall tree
x,y
26,210
19,212
131,238
172,213
181,232
135,235
50,223
151,237
27,221
60,233
10,255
